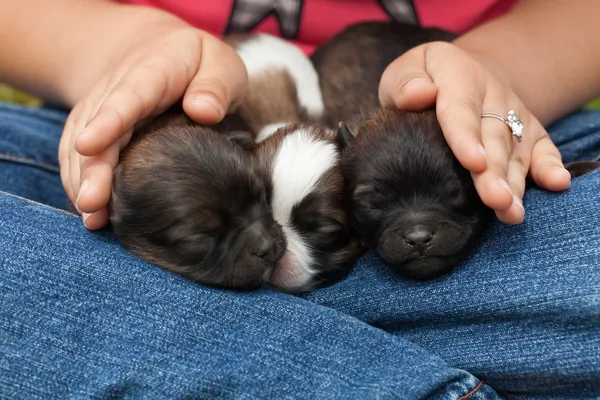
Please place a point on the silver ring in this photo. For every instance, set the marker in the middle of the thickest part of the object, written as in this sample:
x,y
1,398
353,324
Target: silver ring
x,y
513,122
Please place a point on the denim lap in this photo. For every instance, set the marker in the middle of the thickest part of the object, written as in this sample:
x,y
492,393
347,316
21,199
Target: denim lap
x,y
521,314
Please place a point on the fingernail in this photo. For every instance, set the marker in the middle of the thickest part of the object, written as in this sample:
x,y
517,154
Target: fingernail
x,y
518,202
566,174
84,186
210,101
85,216
505,185
416,81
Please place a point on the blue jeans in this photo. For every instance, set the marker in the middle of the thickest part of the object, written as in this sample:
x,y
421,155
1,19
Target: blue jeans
x,y
81,318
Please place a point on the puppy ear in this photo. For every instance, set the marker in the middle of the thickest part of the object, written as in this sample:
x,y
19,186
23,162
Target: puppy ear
x,y
345,137
244,139
579,168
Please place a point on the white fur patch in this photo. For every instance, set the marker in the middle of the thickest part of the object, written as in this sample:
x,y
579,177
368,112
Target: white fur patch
x,y
300,162
264,52
268,130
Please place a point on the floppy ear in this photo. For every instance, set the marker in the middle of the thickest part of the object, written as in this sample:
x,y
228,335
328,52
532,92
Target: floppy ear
x,y
244,139
345,137
579,168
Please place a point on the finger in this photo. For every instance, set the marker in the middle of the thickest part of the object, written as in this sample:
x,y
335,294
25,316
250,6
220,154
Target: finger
x,y
547,169
64,156
96,180
96,220
131,100
459,101
517,173
492,185
406,83
219,82
96,176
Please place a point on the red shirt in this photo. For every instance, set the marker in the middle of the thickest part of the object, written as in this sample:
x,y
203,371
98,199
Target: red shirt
x,y
311,22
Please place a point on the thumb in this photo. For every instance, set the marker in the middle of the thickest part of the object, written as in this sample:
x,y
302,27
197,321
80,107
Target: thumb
x,y
406,83
220,82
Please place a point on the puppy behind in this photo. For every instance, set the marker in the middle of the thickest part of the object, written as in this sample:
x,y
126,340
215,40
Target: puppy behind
x,y
193,202
413,203
283,86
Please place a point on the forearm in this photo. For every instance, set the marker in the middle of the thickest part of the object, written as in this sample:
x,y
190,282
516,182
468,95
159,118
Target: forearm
x,y
58,49
548,51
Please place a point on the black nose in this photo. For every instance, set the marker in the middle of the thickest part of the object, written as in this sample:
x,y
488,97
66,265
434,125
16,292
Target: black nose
x,y
270,245
418,236
265,247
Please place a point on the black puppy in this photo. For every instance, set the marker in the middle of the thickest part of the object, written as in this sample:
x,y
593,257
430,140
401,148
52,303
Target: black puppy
x,y
413,203
192,201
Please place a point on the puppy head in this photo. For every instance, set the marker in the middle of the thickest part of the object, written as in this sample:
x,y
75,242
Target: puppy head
x,y
192,201
307,199
413,203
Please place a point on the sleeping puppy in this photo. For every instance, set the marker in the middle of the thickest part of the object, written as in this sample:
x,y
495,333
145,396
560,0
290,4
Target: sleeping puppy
x,y
306,193
193,202
413,203
282,108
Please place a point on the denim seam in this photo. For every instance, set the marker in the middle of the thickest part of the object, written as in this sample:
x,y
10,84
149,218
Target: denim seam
x,y
472,392
30,161
33,202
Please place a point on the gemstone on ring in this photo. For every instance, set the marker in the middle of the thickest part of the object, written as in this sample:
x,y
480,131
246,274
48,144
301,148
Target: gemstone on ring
x,y
515,125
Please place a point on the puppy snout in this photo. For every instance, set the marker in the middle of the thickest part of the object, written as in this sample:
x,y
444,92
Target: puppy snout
x,y
269,244
418,237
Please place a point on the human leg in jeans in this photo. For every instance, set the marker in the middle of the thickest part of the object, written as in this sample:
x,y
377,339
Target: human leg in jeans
x,y
519,314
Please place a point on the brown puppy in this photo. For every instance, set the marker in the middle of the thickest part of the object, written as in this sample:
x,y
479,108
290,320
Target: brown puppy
x,y
413,203
192,201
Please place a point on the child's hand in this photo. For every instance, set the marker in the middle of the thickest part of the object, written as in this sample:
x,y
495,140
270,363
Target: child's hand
x,y
151,73
462,88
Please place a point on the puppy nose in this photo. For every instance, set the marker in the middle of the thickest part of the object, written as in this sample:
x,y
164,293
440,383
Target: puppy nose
x,y
418,236
265,248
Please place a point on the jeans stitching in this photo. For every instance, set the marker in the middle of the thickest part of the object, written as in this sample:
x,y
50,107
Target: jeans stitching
x,y
472,392
30,161
39,204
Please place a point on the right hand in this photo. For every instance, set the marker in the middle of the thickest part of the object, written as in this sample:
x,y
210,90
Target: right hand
x,y
148,75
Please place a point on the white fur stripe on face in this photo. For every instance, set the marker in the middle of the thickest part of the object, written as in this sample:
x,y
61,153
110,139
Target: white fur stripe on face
x,y
264,52
268,130
300,161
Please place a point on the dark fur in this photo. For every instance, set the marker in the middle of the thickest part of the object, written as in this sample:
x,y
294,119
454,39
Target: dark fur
x,y
413,203
580,168
190,200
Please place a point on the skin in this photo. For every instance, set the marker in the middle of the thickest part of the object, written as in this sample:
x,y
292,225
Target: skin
x,y
540,59
134,62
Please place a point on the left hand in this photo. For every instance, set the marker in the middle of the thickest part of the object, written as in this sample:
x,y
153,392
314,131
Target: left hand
x,y
462,88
